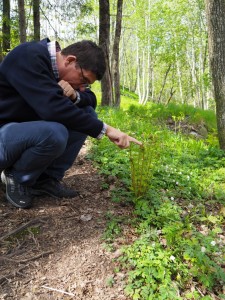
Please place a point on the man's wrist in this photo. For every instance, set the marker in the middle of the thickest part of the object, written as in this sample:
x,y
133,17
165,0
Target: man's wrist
x,y
77,97
103,131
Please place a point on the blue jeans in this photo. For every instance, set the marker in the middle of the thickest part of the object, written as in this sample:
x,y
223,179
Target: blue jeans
x,y
37,147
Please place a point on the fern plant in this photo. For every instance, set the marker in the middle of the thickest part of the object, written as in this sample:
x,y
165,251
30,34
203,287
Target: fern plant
x,y
142,161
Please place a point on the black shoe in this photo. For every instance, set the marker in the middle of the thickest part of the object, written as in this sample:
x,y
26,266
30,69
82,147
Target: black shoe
x,y
16,193
53,188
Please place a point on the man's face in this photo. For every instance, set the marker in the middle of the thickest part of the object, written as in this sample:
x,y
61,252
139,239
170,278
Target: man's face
x,y
77,77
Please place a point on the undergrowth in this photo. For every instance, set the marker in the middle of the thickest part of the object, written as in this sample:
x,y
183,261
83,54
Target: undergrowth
x,y
177,187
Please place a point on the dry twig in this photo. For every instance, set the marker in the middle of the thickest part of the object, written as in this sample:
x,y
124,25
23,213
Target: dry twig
x,y
22,227
56,290
26,260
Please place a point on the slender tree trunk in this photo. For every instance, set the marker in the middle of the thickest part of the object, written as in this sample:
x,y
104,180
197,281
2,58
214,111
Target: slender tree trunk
x,y
193,71
141,73
205,64
178,69
144,72
202,57
201,69
164,83
147,65
36,19
115,54
148,70
138,70
22,21
215,11
123,74
6,27
201,85
152,83
143,76
104,42
1,54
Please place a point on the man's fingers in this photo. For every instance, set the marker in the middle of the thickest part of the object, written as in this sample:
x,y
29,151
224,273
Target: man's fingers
x,y
125,143
133,140
119,138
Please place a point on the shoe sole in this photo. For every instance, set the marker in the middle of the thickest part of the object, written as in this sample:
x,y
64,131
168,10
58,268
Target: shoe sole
x,y
4,180
15,204
45,193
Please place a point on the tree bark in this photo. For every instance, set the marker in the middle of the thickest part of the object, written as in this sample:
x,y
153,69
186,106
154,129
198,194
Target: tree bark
x,y
22,21
215,11
104,42
6,27
1,54
164,83
36,19
115,54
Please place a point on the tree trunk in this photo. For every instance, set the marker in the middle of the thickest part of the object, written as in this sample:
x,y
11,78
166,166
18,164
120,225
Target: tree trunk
x,y
215,11
6,27
144,68
178,69
22,21
1,54
139,92
164,83
104,42
36,19
115,54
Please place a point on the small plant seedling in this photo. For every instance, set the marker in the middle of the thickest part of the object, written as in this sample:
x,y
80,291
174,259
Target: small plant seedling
x,y
110,281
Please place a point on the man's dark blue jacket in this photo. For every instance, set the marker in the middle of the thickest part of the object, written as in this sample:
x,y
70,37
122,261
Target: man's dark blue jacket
x,y
29,91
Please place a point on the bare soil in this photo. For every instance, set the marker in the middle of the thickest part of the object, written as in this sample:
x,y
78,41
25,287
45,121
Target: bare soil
x,y
55,249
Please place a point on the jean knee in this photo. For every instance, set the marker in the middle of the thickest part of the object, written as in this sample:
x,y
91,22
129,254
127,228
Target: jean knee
x,y
57,137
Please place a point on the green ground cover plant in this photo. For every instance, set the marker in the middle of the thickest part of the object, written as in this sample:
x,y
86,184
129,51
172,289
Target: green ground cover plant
x,y
176,186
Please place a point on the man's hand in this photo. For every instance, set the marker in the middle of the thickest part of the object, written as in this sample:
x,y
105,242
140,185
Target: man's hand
x,y
120,138
68,91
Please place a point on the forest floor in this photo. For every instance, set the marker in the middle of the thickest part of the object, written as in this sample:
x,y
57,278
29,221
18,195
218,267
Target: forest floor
x,y
55,250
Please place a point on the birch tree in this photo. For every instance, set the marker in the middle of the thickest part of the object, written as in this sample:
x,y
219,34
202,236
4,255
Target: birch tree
x,y
163,34
143,51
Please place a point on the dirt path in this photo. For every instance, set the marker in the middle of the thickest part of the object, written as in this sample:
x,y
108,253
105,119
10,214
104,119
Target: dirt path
x,y
61,254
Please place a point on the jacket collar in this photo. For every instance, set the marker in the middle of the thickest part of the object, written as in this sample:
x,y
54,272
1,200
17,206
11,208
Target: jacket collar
x,y
45,41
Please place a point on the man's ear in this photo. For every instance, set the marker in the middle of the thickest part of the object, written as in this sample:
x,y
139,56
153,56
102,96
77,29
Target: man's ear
x,y
70,59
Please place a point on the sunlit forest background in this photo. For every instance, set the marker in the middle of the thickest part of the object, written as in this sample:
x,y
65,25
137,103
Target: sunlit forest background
x,y
163,44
